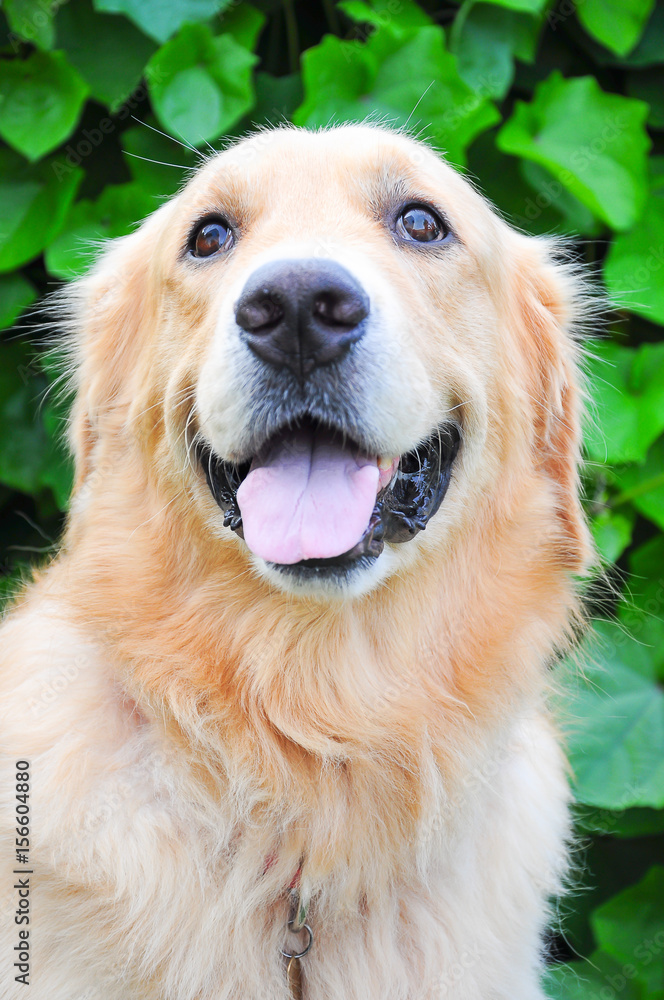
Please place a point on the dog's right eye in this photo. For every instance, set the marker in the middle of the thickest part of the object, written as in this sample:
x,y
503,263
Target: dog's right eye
x,y
210,237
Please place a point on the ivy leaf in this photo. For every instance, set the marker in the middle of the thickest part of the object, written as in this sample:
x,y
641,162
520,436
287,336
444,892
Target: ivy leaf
x,y
25,441
617,24
382,12
612,532
244,23
160,164
161,20
276,98
11,582
633,269
576,218
108,51
486,40
594,143
643,613
115,213
630,928
33,203
616,742
625,824
643,485
650,49
16,294
41,98
545,208
31,21
405,76
628,389
525,6
335,74
200,85
588,980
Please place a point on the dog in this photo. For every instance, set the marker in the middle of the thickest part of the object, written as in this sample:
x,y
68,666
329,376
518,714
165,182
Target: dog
x,y
284,687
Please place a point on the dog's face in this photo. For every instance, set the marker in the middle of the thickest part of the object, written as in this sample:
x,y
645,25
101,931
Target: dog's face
x,y
331,343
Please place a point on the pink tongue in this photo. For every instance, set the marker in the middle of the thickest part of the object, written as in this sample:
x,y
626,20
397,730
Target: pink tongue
x,y
307,498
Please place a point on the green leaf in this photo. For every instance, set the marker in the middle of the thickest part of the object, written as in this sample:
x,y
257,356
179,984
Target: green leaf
x,y
382,12
31,21
642,614
643,485
334,75
16,293
616,738
630,927
627,387
12,582
612,531
25,442
625,824
160,20
594,143
486,40
160,164
41,98
650,49
33,203
200,85
115,213
276,98
108,51
244,23
576,218
633,269
525,6
617,24
503,179
401,77
601,977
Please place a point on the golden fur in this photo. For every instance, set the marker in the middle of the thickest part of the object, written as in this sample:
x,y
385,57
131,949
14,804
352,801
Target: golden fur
x,y
187,719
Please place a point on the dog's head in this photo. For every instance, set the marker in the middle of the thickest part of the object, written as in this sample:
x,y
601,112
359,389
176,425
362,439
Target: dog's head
x,y
343,359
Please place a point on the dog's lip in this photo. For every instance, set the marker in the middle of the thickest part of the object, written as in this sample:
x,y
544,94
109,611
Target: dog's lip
x,y
407,499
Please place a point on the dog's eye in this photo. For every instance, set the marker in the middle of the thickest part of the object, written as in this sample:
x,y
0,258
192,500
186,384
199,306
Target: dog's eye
x,y
419,223
210,237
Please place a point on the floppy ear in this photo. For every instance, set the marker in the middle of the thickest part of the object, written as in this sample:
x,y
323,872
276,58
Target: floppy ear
x,y
110,315
550,303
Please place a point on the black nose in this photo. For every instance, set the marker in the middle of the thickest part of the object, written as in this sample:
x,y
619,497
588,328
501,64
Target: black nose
x,y
301,313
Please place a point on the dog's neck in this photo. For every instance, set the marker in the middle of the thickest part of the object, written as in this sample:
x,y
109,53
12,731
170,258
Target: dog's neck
x,y
314,701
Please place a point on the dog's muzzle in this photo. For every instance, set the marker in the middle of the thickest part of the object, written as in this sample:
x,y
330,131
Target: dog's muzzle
x,y
402,508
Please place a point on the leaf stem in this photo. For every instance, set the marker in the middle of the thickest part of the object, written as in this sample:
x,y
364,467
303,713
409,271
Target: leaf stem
x,y
292,36
637,491
332,17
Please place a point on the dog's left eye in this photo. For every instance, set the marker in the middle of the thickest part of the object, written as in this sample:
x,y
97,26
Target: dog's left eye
x,y
210,237
421,224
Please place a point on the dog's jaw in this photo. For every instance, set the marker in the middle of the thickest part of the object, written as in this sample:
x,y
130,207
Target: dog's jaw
x,y
411,489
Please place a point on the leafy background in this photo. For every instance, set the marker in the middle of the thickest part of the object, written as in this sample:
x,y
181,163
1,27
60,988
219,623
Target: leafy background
x,y
558,110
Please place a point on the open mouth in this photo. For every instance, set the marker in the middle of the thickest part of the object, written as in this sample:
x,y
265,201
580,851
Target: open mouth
x,y
312,501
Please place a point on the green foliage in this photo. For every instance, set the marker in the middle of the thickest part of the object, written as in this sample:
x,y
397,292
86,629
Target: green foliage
x,y
593,143
200,84
558,110
40,101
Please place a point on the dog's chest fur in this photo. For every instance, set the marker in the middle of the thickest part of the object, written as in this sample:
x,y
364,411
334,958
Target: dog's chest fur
x,y
164,872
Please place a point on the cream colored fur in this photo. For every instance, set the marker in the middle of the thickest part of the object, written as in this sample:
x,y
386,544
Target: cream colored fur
x,y
186,719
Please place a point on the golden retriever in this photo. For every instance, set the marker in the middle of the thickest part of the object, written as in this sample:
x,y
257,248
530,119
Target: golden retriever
x,y
292,655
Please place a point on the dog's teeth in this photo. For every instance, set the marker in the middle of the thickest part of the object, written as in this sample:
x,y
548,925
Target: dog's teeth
x,y
384,463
